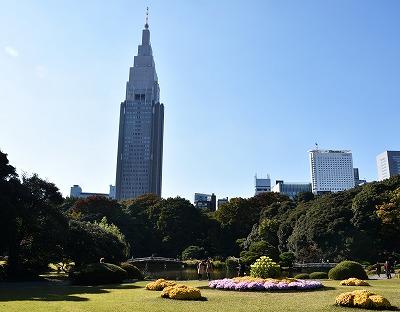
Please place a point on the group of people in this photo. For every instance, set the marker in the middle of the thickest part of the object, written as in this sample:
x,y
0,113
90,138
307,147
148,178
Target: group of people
x,y
387,266
205,267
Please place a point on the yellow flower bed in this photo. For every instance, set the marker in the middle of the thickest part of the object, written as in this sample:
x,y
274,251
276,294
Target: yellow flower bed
x,y
362,299
181,292
159,284
353,282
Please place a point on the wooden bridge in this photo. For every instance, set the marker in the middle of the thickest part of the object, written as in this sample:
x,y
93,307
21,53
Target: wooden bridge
x,y
155,259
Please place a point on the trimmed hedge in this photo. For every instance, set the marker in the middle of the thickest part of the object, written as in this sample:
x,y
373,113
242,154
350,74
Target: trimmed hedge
x,y
132,271
302,276
347,269
319,275
98,273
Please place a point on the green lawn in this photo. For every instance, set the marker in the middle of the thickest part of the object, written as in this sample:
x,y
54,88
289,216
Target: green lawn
x,y
132,297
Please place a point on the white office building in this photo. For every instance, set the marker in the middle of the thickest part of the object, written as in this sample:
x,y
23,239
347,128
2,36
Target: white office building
x,y
388,164
331,171
262,185
76,192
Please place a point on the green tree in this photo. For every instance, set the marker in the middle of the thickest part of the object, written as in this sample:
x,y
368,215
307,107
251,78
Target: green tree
x,y
193,252
88,242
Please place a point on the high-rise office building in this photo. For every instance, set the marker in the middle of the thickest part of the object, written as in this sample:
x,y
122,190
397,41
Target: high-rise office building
x,y
357,180
262,185
331,171
141,127
388,164
205,201
291,189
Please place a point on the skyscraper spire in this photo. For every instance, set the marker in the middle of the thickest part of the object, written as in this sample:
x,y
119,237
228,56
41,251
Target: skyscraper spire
x,y
141,128
146,25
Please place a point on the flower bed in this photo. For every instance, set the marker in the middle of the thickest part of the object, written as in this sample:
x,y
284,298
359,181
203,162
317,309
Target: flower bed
x,y
363,299
260,284
353,282
159,284
181,292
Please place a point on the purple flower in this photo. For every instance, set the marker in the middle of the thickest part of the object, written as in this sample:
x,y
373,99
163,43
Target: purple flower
x,y
230,284
270,286
241,286
255,286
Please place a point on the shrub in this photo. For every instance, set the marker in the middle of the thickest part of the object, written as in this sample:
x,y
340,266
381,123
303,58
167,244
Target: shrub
x,y
159,284
302,276
318,275
264,267
347,269
98,273
132,271
191,263
232,263
218,264
287,258
193,252
181,292
363,299
353,282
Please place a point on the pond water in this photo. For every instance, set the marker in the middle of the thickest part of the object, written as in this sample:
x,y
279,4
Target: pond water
x,y
187,274
176,271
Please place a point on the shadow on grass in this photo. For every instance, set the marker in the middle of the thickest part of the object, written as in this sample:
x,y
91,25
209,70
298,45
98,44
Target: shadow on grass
x,y
46,291
200,299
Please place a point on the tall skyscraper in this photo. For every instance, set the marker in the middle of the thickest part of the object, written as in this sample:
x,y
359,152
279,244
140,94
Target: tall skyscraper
x,y
331,171
388,164
141,127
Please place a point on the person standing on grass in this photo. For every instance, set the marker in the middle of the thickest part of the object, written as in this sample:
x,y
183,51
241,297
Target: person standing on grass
x,y
378,269
201,269
388,269
209,268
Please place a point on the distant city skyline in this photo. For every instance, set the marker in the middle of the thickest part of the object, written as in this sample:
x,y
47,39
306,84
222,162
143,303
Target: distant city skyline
x,y
250,87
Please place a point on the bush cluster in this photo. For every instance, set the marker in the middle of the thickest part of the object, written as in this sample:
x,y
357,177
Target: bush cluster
x,y
353,282
347,269
363,299
98,273
132,272
159,284
302,276
231,263
319,275
181,292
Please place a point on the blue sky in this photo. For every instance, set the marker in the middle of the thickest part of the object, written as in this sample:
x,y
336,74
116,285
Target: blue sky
x,y
248,86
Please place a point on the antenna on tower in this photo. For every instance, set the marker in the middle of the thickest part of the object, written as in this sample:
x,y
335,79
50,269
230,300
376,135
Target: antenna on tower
x,y
316,146
146,25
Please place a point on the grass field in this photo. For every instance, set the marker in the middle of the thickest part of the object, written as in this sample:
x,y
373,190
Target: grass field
x,y
39,296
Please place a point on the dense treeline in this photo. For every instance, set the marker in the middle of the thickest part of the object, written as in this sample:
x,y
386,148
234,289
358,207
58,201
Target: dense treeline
x,y
39,226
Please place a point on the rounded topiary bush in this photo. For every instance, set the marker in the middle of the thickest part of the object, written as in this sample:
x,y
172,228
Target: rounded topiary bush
x,y
181,292
264,267
132,271
98,273
159,284
347,269
302,276
318,275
